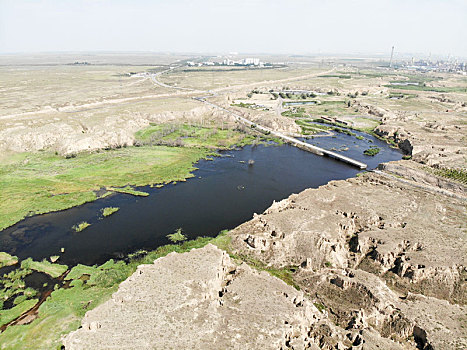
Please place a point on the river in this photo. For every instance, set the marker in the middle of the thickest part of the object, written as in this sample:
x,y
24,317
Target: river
x,y
223,193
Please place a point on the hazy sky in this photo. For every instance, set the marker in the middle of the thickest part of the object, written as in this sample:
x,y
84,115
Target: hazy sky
x,y
249,26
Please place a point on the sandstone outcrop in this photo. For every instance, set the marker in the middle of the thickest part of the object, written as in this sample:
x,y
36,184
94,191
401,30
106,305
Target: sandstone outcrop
x,y
438,144
380,263
88,134
201,300
376,253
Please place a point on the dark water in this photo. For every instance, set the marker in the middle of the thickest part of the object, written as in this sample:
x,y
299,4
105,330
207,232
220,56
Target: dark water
x,y
299,103
356,147
405,83
223,194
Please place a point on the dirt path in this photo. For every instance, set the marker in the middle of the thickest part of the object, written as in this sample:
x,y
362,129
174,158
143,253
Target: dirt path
x,y
182,92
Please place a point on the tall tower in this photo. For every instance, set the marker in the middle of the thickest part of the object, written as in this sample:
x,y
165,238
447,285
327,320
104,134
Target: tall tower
x,y
392,54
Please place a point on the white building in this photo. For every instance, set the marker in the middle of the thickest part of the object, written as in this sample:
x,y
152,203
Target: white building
x,y
251,61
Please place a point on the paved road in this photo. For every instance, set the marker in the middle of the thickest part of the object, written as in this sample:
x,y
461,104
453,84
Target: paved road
x,y
157,82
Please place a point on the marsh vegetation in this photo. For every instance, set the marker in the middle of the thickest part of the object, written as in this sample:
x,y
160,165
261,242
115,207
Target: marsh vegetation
x,y
372,151
109,211
81,226
177,236
87,287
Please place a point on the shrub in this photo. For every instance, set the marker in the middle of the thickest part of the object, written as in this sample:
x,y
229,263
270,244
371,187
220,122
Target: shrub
x,y
454,174
177,236
109,211
81,226
371,151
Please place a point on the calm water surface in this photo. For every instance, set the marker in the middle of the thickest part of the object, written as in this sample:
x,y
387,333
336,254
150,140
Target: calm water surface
x,y
224,193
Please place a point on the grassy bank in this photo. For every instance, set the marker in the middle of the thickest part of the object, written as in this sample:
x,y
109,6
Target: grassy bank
x,y
308,127
36,183
186,135
89,286
53,270
7,259
428,88
42,182
368,131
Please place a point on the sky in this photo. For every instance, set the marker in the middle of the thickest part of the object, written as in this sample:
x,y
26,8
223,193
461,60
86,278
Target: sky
x,y
245,26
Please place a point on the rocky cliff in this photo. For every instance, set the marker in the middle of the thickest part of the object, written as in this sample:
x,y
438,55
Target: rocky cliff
x,y
381,254
380,263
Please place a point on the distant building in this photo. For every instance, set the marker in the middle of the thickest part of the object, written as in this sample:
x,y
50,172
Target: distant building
x,y
228,62
250,61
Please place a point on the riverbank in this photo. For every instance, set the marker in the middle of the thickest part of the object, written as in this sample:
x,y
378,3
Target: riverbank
x,y
42,182
119,271
379,258
77,290
364,264
232,186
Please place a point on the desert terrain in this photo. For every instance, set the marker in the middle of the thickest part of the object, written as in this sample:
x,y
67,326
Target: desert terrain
x,y
377,261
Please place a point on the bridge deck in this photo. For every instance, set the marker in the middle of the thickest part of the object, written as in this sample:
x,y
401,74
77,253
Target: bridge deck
x,y
311,148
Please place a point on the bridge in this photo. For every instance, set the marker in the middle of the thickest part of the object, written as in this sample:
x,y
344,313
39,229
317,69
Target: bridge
x,y
300,144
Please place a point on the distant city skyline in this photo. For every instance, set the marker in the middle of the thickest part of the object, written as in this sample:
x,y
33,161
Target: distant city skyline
x,y
365,27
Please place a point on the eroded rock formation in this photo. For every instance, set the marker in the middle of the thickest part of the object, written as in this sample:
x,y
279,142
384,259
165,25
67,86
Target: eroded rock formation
x,y
203,300
381,255
380,264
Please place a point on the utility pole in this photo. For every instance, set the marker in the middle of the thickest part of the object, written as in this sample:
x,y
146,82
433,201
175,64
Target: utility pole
x,y
392,54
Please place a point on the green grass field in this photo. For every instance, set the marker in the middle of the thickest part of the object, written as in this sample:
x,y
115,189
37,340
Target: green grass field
x,y
187,135
42,182
35,183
